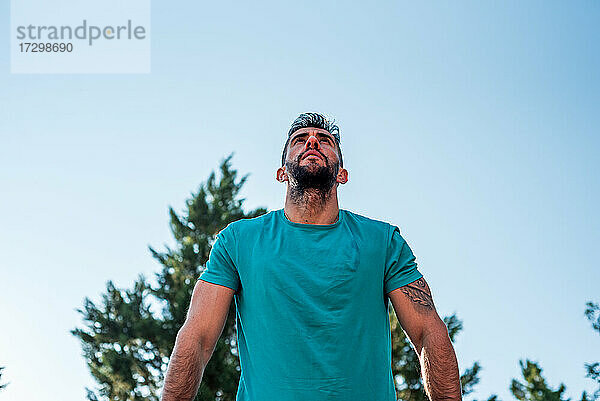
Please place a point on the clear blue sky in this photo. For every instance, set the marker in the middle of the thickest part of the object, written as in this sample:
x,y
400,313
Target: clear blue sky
x,y
473,126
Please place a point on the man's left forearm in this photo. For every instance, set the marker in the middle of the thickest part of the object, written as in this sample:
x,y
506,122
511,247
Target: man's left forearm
x,y
439,366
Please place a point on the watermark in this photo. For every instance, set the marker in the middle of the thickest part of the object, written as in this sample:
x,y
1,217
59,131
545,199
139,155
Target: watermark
x,y
71,36
87,32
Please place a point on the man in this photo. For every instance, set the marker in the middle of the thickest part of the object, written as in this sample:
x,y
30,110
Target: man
x,y
311,284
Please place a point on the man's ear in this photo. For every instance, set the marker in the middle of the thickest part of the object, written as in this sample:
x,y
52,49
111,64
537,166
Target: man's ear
x,y
281,175
342,176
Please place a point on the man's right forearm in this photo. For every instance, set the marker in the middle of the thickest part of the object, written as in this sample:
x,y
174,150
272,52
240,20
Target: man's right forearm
x,y
186,368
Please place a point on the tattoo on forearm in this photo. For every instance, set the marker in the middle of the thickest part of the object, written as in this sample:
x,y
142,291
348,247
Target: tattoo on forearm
x,y
419,293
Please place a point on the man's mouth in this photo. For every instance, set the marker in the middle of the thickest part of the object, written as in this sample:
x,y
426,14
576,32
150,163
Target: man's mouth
x,y
312,153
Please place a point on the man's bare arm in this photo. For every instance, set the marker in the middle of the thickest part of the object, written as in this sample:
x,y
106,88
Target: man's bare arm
x,y
196,340
416,313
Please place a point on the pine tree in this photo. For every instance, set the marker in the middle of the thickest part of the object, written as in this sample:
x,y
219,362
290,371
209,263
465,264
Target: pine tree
x,y
406,368
592,312
534,387
129,336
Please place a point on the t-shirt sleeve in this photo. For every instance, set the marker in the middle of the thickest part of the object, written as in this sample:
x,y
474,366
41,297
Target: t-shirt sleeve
x,y
220,267
400,264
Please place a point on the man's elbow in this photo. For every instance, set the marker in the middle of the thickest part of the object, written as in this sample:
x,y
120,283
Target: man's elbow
x,y
196,342
433,331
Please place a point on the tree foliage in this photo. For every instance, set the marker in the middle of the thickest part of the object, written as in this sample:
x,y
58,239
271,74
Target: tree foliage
x,y
128,336
592,312
2,385
534,386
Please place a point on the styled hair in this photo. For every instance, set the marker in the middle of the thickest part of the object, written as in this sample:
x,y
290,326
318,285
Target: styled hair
x,y
313,120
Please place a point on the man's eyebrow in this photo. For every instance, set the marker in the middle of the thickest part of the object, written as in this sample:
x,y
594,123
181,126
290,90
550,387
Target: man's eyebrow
x,y
319,134
299,134
328,135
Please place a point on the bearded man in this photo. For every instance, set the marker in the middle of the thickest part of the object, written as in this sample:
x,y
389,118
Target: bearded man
x,y
312,283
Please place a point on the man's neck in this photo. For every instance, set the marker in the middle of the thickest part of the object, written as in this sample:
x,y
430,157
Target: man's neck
x,y
311,208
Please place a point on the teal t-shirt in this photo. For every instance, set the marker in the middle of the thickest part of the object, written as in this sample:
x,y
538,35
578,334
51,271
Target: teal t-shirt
x,y
311,305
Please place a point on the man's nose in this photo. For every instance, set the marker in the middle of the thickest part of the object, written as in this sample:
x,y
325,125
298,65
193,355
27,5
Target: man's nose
x,y
312,142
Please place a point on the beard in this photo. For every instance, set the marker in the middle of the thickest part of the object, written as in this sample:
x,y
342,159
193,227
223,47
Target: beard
x,y
314,179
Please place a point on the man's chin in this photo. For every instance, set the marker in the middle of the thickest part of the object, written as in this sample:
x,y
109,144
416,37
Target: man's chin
x,y
311,162
311,174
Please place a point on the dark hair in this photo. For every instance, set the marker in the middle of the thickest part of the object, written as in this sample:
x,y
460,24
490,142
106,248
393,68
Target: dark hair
x,y
313,120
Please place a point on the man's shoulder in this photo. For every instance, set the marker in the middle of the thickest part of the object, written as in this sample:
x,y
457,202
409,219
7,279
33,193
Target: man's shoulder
x,y
365,223
364,220
248,225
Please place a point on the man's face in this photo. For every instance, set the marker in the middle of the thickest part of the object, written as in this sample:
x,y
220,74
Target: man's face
x,y
312,160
